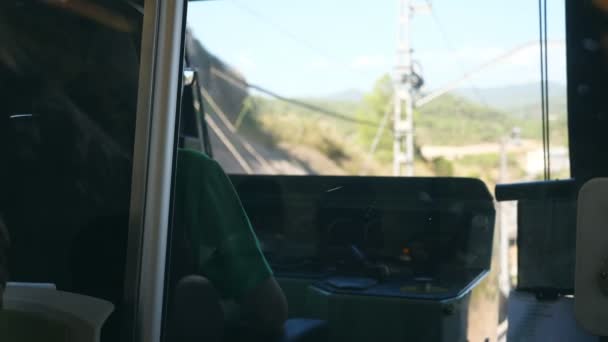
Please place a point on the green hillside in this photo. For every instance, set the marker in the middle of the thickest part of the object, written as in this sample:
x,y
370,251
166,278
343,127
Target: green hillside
x,y
453,120
450,120
511,97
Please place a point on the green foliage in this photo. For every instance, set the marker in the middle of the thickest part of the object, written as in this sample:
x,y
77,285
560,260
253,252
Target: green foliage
x,y
449,120
249,107
373,108
284,123
443,167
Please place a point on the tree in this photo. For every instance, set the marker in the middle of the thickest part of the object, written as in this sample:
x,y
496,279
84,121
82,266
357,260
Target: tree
x,y
374,106
443,167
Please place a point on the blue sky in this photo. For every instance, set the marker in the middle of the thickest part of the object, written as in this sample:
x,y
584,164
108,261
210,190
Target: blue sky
x,y
321,47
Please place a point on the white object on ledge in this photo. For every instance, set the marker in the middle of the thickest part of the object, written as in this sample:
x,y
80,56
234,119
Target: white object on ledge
x,y
83,316
590,290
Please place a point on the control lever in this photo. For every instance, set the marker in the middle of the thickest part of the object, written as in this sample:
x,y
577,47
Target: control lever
x,y
377,271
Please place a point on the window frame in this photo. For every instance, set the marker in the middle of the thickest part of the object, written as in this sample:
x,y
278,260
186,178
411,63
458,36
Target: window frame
x,y
153,166
585,116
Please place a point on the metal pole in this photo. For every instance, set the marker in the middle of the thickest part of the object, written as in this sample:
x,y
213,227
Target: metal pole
x,y
404,127
502,176
407,91
397,138
504,272
409,134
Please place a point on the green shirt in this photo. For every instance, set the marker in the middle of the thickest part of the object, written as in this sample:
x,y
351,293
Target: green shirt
x,y
209,212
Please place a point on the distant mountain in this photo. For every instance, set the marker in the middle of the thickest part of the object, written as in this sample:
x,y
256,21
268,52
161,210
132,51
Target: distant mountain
x,y
515,97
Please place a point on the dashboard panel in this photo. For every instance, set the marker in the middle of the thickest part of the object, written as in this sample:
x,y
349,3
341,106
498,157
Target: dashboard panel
x,y
384,228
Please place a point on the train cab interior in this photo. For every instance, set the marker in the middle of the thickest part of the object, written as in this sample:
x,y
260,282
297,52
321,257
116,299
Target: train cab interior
x,y
100,99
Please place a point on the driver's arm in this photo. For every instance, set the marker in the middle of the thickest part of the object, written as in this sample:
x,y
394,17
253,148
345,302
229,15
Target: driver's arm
x,y
265,307
224,241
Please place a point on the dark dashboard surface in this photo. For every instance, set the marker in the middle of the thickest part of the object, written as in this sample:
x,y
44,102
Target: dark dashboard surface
x,y
439,288
393,230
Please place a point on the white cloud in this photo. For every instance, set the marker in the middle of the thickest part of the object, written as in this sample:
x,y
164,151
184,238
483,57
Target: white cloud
x,y
525,55
368,61
494,66
530,55
319,63
244,63
466,57
477,54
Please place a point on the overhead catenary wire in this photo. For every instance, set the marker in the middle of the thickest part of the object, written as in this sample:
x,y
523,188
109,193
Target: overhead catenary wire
x,y
231,148
547,127
453,84
544,84
376,140
460,101
284,31
306,44
330,113
448,42
224,119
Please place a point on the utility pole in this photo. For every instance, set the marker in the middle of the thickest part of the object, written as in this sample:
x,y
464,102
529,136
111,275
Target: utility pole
x,y
403,104
505,210
504,279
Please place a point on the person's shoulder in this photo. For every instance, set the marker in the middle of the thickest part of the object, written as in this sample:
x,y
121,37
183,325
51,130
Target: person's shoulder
x,y
190,156
197,161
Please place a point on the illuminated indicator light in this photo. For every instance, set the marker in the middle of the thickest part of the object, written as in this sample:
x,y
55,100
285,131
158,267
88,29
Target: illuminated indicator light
x,y
406,251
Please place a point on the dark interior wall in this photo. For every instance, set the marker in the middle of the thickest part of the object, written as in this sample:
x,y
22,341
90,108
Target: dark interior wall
x,y
66,169
587,54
